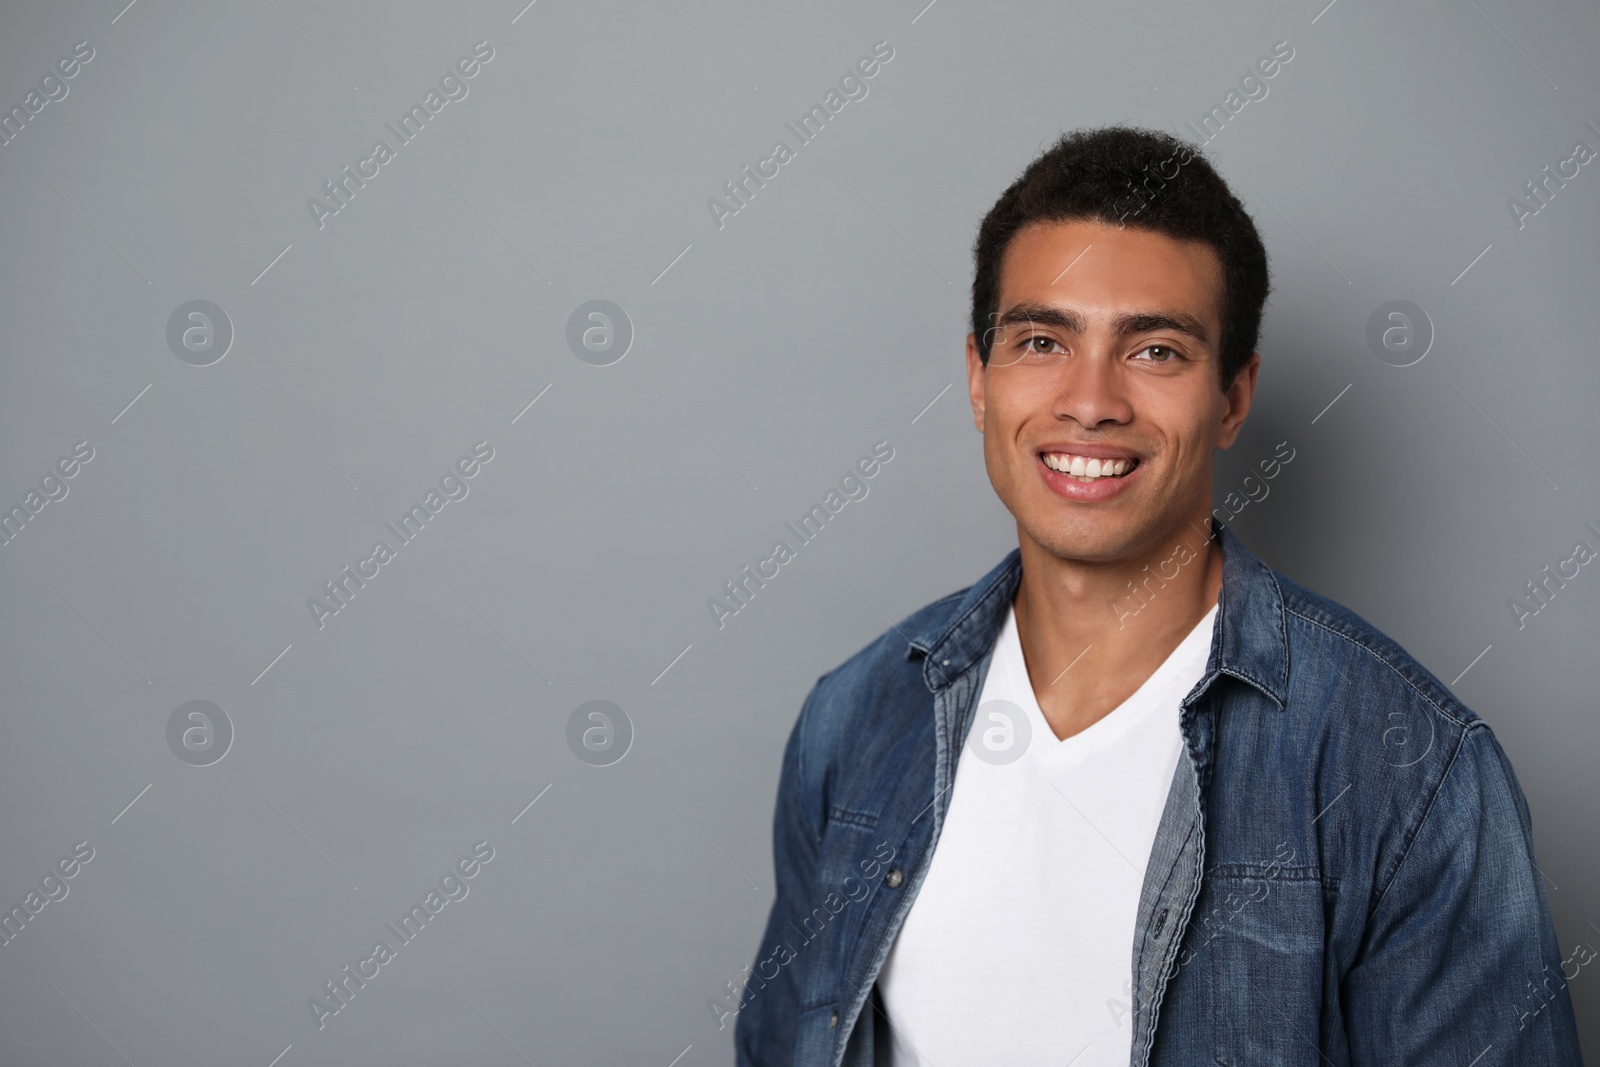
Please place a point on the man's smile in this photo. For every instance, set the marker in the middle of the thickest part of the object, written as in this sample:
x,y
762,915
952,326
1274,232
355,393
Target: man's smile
x,y
1094,473
1087,468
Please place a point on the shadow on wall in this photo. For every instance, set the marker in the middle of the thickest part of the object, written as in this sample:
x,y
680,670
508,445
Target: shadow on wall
x,y
1259,487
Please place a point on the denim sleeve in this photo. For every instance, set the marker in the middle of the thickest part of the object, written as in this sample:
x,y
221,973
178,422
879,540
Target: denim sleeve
x,y
1459,963
764,1035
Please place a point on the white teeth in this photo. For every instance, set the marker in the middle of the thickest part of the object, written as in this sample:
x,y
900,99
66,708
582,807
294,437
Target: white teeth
x,y
1086,468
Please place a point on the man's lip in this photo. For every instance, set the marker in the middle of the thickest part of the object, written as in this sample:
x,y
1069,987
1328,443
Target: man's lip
x,y
1088,451
1092,490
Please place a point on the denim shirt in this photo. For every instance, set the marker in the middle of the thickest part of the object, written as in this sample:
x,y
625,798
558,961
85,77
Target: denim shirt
x,y
1343,872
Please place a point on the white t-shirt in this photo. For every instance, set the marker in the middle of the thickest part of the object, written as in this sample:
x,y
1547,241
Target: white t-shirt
x,y
1018,949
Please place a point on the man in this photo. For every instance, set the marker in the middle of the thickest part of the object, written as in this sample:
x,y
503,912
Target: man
x,y
1134,797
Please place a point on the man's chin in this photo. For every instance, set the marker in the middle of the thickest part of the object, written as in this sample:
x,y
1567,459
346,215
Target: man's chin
x,y
1109,537
1105,544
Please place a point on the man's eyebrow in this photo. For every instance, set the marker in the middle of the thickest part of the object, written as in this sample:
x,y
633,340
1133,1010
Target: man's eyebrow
x,y
1132,322
1151,321
1041,315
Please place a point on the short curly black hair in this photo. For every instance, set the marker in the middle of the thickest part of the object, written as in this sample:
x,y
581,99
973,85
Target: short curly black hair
x,y
1126,176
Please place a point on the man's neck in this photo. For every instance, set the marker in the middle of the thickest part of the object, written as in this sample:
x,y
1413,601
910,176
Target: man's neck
x,y
1093,633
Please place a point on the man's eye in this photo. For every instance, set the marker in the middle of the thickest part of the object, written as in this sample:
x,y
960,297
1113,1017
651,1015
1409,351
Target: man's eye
x,y
1040,345
1166,353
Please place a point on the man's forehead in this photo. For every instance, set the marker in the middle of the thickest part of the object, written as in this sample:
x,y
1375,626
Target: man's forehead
x,y
1048,262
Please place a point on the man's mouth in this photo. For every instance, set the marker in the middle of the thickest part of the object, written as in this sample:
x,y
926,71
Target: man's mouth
x,y
1087,468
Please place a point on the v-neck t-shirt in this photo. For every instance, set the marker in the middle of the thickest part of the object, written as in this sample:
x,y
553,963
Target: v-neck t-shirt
x,y
1018,948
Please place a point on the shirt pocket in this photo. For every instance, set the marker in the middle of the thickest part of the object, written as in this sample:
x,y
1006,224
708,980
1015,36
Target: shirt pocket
x,y
1263,929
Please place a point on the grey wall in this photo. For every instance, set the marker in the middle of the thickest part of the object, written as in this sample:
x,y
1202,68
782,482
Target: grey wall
x,y
371,352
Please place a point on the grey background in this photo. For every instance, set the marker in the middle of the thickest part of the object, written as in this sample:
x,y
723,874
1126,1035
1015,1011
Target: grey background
x,y
825,316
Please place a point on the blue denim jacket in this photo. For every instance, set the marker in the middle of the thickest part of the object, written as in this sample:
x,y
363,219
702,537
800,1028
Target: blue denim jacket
x,y
1343,872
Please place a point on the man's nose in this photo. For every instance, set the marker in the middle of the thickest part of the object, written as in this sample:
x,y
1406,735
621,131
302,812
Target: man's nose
x,y
1090,390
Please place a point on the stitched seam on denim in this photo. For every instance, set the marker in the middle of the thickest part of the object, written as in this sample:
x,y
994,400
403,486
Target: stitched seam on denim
x,y
1165,883
1234,671
1154,1009
1196,825
957,595
897,909
1001,583
1257,873
1280,605
1245,676
803,787
1283,632
845,816
1392,667
1416,831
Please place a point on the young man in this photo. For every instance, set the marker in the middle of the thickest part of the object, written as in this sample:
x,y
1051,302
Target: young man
x,y
1134,797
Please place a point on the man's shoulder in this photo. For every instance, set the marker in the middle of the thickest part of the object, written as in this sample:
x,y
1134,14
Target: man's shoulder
x,y
889,658
865,712
1341,650
1376,719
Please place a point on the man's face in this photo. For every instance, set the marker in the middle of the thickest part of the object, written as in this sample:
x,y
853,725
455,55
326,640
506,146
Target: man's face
x,y
1105,347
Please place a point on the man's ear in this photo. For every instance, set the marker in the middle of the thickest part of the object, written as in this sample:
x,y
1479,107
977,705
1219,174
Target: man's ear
x,y
975,380
1237,400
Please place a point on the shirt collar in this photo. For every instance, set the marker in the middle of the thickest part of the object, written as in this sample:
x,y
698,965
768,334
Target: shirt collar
x,y
1251,640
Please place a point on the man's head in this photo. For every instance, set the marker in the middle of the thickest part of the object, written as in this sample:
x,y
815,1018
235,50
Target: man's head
x,y
1116,304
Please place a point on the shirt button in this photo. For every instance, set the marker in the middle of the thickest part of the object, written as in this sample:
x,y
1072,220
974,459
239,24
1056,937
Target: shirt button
x,y
833,1021
894,879
947,663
